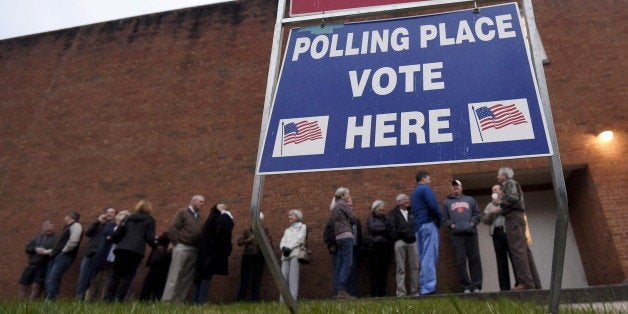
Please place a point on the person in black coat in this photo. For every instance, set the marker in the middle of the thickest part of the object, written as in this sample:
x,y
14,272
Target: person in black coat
x,y
159,263
380,248
130,238
214,250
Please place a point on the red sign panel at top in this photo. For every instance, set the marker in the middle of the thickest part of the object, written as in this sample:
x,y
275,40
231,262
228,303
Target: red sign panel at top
x,y
317,6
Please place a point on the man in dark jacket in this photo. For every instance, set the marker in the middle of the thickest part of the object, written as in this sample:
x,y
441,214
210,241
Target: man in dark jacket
x,y
34,274
214,250
63,253
96,238
461,216
252,266
406,251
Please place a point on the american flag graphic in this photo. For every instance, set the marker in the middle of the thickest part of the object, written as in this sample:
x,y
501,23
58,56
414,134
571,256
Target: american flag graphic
x,y
499,116
296,133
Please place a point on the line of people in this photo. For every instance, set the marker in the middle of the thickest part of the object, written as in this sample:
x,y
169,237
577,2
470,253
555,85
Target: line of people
x,y
410,233
195,249
190,252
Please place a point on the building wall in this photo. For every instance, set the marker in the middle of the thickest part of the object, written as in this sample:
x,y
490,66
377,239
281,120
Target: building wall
x,y
169,105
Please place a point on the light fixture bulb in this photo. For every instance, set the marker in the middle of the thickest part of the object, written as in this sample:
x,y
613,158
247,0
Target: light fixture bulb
x,y
606,136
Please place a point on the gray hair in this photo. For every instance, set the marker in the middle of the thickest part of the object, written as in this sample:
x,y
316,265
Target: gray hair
x,y
47,223
297,213
198,197
507,171
340,192
400,197
377,204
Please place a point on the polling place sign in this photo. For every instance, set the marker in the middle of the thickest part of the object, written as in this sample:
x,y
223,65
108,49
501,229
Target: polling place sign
x,y
443,88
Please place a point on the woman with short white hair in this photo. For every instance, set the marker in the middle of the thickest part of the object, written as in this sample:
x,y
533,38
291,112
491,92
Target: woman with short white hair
x,y
291,242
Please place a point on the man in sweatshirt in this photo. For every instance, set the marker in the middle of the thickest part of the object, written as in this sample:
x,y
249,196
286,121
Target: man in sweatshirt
x,y
427,220
461,216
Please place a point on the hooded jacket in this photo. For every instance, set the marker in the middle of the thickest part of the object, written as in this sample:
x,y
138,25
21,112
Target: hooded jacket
x,y
134,233
463,212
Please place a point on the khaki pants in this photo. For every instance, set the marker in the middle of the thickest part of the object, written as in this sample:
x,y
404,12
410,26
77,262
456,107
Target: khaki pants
x,y
180,274
407,253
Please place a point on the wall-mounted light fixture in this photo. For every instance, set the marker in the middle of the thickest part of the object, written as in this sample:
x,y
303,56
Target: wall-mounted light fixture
x,y
605,136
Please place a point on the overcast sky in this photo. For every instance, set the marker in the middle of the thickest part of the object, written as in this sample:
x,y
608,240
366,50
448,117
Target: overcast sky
x,y
25,17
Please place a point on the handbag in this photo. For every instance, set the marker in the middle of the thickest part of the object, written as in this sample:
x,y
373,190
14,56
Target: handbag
x,y
304,256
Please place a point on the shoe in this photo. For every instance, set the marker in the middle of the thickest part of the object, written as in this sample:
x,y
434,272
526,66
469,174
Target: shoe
x,y
476,290
467,291
343,295
521,287
415,295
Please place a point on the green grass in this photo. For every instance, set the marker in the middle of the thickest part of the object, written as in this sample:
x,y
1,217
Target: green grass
x,y
392,305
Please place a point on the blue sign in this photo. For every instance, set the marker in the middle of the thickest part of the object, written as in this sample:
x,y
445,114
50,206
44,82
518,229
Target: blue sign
x,y
443,88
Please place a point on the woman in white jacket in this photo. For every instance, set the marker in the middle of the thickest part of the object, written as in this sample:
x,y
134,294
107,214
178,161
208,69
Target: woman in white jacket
x,y
290,246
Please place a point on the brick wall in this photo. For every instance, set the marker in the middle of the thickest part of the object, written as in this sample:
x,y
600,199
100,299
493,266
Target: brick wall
x,y
169,105
592,231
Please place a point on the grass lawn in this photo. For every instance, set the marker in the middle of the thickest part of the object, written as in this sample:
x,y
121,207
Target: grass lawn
x,y
390,305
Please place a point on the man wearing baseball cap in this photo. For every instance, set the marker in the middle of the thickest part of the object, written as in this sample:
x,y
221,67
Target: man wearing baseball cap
x,y
461,215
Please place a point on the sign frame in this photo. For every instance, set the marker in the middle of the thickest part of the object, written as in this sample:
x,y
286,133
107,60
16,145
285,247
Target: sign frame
x,y
273,72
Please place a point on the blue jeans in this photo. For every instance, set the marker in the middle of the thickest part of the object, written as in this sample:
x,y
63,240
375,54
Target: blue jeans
x,y
344,263
58,266
427,241
85,276
202,291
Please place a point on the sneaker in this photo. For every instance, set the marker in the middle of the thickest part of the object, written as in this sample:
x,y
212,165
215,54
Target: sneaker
x,y
343,295
414,295
476,290
467,291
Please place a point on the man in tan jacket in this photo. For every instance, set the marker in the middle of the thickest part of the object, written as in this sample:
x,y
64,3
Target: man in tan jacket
x,y
185,230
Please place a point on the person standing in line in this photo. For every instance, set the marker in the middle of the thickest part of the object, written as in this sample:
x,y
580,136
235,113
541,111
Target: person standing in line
x,y
352,281
345,231
131,238
63,253
34,274
96,236
512,203
406,251
214,250
427,221
493,217
185,231
462,217
158,263
252,266
379,248
290,244
103,262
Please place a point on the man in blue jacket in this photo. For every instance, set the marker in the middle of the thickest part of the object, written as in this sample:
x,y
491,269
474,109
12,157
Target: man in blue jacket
x,y
427,219
461,217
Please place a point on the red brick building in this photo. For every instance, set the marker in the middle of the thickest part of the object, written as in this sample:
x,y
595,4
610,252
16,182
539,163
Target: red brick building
x,y
169,105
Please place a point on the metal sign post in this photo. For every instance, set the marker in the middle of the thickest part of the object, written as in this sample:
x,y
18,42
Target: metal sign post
x,y
558,179
258,181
